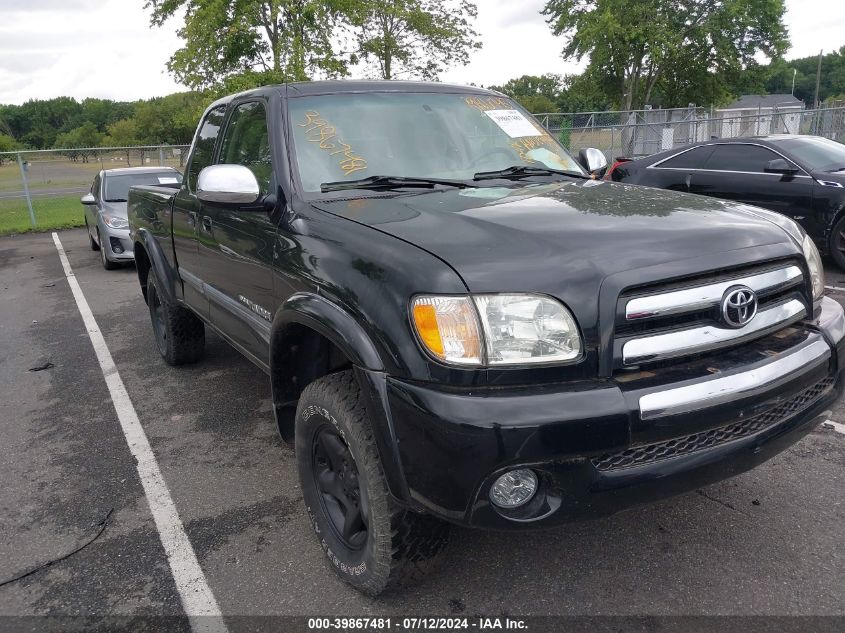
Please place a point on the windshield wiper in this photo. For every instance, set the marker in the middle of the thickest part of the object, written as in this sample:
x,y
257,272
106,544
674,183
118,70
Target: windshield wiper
x,y
115,200
524,171
391,182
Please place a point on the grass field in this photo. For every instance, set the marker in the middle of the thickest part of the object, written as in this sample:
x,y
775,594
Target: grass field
x,y
56,184
48,171
57,212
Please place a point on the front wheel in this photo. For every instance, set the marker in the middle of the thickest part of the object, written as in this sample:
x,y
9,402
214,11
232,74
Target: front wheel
x,y
370,542
836,246
179,334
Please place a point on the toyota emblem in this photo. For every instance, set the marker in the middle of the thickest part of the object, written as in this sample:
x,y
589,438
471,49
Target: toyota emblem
x,y
739,306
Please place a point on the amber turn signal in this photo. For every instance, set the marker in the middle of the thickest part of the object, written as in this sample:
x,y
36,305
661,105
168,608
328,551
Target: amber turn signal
x,y
448,328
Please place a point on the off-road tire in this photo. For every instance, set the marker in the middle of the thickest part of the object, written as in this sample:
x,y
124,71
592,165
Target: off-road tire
x,y
836,244
401,546
179,334
107,263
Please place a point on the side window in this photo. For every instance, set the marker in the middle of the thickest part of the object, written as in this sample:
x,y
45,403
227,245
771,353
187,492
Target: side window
x,y
247,142
203,153
739,157
95,188
693,159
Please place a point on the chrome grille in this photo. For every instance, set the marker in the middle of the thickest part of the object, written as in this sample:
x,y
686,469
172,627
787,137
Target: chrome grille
x,y
682,319
650,453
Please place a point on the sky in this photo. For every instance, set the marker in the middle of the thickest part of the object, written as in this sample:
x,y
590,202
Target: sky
x,y
106,48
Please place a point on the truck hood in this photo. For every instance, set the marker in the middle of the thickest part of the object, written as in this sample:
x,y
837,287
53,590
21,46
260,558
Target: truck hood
x,y
541,238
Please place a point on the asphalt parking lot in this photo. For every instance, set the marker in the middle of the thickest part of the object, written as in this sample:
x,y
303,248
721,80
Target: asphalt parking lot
x,y
766,543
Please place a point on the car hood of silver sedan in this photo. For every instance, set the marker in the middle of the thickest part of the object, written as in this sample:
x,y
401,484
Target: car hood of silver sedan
x,y
115,208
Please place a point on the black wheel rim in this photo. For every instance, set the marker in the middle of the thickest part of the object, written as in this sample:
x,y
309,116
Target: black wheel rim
x,y
343,501
840,242
157,314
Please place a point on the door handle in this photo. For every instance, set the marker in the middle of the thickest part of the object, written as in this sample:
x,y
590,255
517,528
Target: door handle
x,y
206,224
192,219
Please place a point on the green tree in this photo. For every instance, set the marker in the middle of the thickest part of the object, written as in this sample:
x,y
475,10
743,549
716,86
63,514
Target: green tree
x,y
100,112
535,94
7,144
413,38
583,93
556,93
633,46
36,123
281,39
779,76
123,133
171,119
86,135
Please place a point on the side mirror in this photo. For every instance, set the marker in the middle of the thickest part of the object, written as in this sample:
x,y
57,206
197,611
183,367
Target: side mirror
x,y
234,185
88,199
780,166
593,160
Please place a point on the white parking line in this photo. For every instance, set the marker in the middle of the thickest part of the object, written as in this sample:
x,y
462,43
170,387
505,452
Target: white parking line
x,y
836,426
197,599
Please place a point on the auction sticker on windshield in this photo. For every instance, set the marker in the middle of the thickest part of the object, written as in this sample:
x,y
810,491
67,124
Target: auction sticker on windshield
x,y
513,123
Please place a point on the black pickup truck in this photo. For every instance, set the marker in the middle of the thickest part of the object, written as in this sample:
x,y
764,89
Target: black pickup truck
x,y
463,324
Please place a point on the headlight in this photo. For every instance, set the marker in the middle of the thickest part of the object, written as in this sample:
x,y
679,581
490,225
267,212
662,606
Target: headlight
x,y
115,221
527,329
499,330
814,263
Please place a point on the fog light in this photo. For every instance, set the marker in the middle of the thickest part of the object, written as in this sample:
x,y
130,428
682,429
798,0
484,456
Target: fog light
x,y
116,246
514,488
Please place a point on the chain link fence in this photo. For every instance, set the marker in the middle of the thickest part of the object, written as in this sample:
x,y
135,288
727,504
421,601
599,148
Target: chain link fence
x,y
41,189
643,132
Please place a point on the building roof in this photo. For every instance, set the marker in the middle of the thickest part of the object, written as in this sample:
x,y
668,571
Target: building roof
x,y
752,102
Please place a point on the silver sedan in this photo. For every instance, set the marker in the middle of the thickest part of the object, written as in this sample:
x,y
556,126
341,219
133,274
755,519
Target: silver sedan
x,y
105,209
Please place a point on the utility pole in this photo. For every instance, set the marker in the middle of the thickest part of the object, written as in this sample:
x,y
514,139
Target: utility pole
x,y
794,72
818,80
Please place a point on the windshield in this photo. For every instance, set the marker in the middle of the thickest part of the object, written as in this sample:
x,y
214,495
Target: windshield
x,y
818,154
348,137
117,186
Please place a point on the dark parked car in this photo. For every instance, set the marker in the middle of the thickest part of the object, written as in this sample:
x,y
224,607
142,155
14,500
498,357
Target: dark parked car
x,y
802,177
105,209
461,326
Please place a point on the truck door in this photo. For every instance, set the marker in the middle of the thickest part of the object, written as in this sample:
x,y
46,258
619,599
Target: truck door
x,y
236,245
187,210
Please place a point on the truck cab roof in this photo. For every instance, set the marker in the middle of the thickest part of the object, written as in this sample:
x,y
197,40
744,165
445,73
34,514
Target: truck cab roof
x,y
339,86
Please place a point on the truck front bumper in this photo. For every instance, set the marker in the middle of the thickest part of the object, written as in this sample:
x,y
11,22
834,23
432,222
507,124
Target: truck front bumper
x,y
600,446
